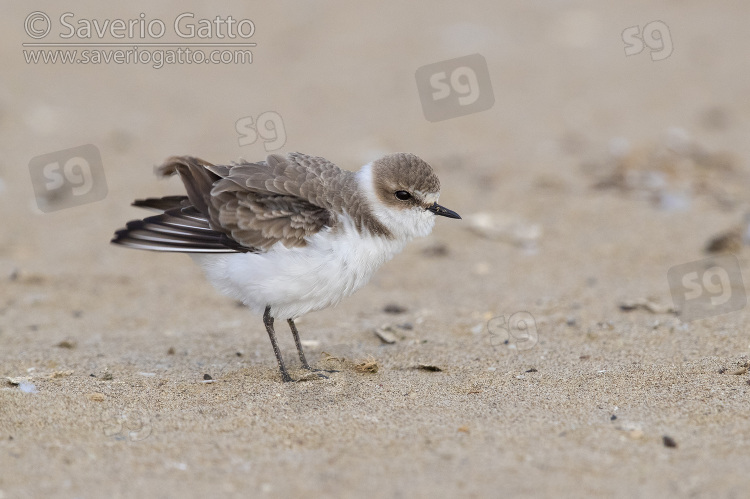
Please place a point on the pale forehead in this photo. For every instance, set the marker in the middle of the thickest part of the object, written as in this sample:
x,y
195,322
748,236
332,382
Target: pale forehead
x,y
407,171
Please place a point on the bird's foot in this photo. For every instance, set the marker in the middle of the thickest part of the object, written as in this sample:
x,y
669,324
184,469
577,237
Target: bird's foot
x,y
311,376
329,371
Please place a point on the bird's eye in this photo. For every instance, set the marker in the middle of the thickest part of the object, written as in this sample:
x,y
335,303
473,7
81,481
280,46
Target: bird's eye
x,y
402,195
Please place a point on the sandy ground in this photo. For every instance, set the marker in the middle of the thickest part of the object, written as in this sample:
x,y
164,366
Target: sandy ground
x,y
593,173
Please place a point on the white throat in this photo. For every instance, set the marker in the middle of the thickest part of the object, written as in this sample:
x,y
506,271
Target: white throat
x,y
405,224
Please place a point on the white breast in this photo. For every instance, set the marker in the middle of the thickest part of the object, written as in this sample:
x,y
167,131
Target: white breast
x,y
300,280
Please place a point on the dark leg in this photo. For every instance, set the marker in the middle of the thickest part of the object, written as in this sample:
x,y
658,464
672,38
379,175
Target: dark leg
x,y
302,359
299,345
268,321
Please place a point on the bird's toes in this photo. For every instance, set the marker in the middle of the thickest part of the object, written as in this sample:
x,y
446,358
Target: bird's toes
x,y
311,376
329,371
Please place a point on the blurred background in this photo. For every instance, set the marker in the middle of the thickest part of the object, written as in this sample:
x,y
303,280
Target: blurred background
x,y
338,80
591,136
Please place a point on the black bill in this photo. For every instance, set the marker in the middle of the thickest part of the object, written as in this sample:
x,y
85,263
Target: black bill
x,y
443,211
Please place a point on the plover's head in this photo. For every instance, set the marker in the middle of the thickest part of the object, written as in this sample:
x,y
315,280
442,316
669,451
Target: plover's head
x,y
403,192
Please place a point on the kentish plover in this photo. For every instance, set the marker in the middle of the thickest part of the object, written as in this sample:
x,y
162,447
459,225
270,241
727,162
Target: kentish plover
x,y
292,234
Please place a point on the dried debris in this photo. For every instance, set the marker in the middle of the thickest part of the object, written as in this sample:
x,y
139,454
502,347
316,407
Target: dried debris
x,y
726,242
18,380
370,365
386,335
69,344
15,381
731,240
646,304
428,367
506,228
739,371
670,172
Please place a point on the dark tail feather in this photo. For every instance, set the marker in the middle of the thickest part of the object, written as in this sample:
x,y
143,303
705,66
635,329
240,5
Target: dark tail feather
x,y
183,226
182,230
197,179
163,204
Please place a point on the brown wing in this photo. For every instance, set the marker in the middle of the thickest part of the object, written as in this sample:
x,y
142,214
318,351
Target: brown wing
x,y
242,207
280,199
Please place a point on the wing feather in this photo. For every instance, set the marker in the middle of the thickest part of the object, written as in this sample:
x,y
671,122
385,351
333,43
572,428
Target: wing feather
x,y
242,207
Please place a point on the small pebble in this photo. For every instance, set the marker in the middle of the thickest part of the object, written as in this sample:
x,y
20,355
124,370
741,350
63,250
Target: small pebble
x,y
635,434
386,335
171,351
394,308
669,442
27,387
207,376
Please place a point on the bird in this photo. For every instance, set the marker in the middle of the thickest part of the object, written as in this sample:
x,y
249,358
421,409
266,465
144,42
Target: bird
x,y
291,234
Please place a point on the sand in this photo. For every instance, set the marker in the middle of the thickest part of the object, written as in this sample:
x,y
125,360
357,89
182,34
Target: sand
x,y
590,176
